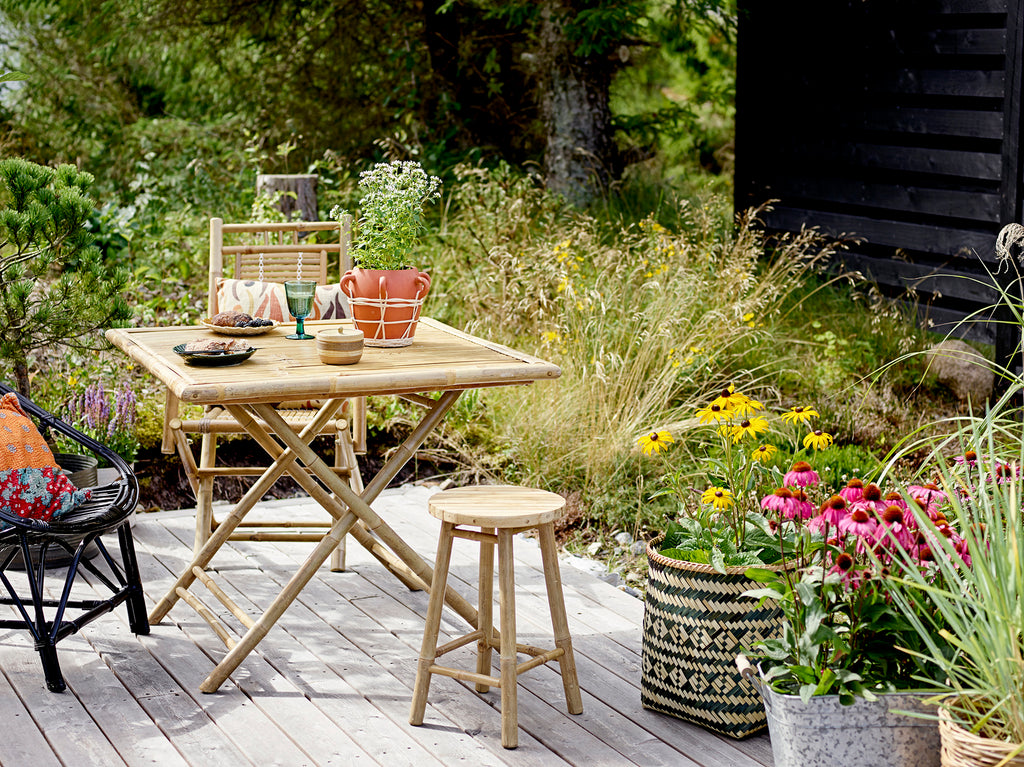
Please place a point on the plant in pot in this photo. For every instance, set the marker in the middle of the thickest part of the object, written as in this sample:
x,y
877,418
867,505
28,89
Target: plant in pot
x,y
107,417
695,617
979,663
385,290
847,660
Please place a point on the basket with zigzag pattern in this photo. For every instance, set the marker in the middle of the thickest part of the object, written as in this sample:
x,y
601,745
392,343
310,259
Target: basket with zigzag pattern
x,y
695,624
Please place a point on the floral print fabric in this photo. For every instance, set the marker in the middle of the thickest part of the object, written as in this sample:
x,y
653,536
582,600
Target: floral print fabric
x,y
38,493
267,300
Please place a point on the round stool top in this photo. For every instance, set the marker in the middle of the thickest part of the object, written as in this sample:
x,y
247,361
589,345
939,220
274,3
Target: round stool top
x,y
496,506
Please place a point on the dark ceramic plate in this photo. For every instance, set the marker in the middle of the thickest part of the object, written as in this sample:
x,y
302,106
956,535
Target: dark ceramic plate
x,y
213,359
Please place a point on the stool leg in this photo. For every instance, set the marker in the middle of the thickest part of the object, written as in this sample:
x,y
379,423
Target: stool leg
x,y
559,622
485,620
507,593
428,652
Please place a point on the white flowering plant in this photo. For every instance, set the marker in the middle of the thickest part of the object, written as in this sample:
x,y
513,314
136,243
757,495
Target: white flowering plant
x,y
391,219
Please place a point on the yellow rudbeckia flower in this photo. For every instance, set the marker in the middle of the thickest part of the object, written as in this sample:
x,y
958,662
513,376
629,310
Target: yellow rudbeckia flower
x,y
747,407
800,414
717,497
749,426
818,439
714,413
655,442
764,453
730,398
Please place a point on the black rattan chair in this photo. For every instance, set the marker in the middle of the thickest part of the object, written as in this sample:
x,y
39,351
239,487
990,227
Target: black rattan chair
x,y
108,510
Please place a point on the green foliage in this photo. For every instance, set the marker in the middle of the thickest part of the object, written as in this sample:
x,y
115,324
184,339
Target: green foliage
x,y
391,218
54,288
836,640
674,106
690,540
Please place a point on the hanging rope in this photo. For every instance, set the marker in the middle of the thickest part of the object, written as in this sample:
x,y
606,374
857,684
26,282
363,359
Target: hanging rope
x,y
1010,245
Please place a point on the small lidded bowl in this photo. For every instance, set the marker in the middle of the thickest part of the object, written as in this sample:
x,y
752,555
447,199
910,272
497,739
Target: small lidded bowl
x,y
340,346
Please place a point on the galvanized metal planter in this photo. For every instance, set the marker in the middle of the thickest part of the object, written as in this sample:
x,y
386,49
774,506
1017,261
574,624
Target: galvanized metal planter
x,y
825,733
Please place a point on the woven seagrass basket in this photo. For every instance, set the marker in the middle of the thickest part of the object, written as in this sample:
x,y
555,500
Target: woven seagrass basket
x,y
962,748
695,624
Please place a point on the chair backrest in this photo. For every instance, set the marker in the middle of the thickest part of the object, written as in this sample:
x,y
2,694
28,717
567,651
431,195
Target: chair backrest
x,y
277,249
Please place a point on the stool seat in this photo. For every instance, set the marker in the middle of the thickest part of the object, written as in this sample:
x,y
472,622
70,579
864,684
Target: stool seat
x,y
496,506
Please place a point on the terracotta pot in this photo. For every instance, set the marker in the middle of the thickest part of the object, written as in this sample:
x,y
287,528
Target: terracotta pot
x,y
386,303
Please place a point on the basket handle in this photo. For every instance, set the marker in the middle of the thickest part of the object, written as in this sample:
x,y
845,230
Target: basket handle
x,y
746,670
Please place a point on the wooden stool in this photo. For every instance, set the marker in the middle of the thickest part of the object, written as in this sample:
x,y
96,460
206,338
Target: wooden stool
x,y
499,512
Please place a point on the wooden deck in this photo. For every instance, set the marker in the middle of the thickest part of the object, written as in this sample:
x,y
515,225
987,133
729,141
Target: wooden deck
x,y
332,682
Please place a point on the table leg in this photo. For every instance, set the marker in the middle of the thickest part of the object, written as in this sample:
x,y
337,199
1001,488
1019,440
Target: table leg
x,y
281,603
224,530
361,504
371,531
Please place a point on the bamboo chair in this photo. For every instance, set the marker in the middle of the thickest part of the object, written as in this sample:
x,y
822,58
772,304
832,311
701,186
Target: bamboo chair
x,y
272,251
44,549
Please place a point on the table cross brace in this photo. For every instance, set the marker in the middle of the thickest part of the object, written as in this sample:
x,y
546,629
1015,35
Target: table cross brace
x,y
351,511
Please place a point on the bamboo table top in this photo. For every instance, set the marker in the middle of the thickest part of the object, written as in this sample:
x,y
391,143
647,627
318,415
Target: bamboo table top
x,y
440,358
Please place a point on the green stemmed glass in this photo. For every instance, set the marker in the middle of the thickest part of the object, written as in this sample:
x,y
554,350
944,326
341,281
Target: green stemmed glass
x,y
300,303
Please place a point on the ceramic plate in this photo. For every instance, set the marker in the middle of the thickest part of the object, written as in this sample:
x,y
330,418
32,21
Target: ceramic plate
x,y
213,359
225,330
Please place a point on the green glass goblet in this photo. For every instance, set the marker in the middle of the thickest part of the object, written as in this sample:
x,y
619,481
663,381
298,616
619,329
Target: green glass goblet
x,y
300,303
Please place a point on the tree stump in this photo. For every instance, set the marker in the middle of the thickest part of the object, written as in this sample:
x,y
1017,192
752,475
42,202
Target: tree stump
x,y
299,193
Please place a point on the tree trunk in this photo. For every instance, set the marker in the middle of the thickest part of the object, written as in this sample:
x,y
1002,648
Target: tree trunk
x,y
22,380
299,193
574,98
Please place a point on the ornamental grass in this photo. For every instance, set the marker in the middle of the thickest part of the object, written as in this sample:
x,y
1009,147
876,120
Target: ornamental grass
x,y
643,319
980,610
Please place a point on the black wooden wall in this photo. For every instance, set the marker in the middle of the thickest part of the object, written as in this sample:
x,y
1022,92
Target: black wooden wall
x,y
895,121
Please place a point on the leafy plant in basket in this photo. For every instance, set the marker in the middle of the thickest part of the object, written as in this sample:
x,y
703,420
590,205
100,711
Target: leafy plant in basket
x,y
385,290
695,617
721,520
843,633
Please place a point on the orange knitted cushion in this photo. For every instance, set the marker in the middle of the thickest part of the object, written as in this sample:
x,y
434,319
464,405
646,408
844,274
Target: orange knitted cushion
x,y
31,483
21,444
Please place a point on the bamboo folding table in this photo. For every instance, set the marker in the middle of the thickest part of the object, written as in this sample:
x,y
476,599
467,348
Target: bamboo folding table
x,y
442,360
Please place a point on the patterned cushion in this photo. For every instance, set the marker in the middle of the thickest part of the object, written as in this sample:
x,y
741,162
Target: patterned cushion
x,y
267,300
39,493
31,482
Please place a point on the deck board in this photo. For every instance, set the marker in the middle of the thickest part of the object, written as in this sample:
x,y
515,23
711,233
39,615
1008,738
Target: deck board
x,y
332,681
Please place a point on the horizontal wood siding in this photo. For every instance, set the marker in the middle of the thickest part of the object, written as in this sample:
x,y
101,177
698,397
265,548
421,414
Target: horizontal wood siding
x,y
893,123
